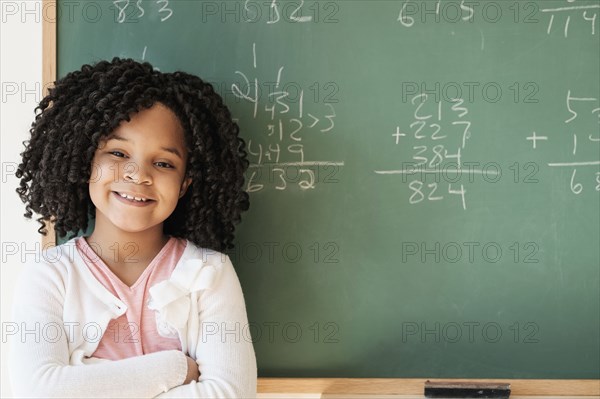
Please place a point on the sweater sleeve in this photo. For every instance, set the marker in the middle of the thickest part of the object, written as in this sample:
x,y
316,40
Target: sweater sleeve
x,y
224,353
39,354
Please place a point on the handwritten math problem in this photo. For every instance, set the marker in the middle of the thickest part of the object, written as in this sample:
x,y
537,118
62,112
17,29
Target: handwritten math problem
x,y
439,133
588,109
276,149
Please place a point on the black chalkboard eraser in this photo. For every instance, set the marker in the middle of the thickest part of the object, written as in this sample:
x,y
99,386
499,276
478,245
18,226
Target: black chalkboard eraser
x,y
440,389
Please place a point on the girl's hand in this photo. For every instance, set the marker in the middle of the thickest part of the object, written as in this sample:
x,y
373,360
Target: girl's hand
x,y
193,373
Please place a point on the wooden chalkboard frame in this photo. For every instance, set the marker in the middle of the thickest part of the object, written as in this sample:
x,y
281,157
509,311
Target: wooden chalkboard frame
x,y
332,386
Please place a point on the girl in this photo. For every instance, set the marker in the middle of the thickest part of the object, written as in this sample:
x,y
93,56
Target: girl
x,y
147,305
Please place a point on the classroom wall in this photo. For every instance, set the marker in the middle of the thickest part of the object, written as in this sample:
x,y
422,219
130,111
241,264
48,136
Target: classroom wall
x,y
21,85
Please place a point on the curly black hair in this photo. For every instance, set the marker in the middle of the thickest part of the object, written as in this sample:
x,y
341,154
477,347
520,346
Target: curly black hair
x,y
86,105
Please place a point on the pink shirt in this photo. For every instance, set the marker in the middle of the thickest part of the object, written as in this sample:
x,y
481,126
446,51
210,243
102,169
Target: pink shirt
x,y
134,333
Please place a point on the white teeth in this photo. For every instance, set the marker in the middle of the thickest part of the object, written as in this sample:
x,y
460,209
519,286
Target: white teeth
x,y
132,198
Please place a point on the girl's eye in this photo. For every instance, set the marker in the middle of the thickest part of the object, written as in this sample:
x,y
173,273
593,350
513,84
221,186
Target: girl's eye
x,y
166,165
169,166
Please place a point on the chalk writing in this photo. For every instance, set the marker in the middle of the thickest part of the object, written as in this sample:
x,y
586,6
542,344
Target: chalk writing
x,y
277,154
125,13
568,14
587,12
441,131
577,108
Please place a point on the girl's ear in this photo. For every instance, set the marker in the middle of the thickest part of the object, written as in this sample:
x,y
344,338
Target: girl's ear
x,y
184,186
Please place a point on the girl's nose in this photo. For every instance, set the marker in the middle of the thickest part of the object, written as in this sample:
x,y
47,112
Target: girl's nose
x,y
136,173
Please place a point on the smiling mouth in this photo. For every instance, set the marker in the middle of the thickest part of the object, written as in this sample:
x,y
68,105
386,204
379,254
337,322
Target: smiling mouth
x,y
133,200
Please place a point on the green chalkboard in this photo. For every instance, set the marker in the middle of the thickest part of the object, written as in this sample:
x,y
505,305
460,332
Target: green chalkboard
x,y
425,178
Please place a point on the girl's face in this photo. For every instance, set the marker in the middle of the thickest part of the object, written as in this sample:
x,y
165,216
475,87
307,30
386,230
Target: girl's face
x,y
145,157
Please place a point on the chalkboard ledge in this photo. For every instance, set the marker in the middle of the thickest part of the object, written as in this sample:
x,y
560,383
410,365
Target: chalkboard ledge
x,y
338,387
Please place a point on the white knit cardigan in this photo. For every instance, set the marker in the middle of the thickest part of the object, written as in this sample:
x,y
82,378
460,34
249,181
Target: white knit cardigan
x,y
60,312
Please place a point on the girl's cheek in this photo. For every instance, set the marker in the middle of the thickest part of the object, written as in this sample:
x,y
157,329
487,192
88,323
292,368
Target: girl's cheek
x,y
95,170
105,169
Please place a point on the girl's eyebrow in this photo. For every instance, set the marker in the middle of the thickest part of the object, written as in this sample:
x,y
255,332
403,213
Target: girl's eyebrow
x,y
172,150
